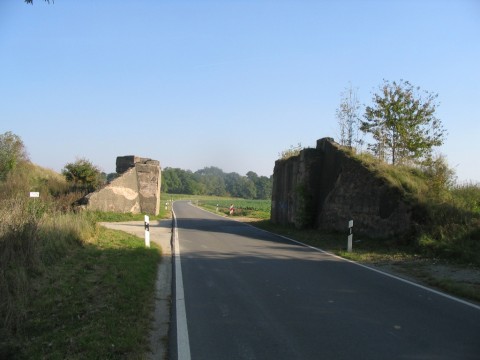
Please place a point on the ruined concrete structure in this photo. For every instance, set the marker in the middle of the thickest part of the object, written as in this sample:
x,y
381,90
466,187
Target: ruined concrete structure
x,y
325,188
136,190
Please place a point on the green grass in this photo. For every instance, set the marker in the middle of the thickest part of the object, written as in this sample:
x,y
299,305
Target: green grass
x,y
259,209
411,181
94,303
71,289
68,288
164,213
247,208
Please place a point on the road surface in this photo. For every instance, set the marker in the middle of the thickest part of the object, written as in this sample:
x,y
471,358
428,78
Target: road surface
x,y
242,293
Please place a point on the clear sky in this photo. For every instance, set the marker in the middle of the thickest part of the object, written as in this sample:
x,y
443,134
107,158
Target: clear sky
x,y
225,83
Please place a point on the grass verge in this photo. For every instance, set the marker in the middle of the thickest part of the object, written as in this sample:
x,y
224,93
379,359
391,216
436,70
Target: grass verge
x,y
93,303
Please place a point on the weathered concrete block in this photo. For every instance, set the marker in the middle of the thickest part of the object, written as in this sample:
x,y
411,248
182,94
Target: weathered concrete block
x,y
325,188
294,194
149,180
136,190
121,195
124,163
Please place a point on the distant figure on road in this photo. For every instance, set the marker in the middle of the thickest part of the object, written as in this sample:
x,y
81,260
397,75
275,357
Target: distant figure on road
x,y
231,209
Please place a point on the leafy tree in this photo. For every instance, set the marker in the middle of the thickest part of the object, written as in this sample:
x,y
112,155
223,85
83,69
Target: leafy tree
x,y
233,184
252,176
263,185
178,181
240,186
213,180
12,151
170,180
348,117
402,123
247,188
83,175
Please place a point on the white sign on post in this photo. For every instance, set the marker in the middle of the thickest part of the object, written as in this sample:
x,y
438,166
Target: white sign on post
x,y
34,194
147,231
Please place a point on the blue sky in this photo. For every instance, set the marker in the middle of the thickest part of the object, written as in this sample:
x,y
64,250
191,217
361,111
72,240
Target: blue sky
x,y
225,83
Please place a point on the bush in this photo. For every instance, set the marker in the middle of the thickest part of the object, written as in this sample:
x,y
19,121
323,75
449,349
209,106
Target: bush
x,y
453,226
467,196
83,175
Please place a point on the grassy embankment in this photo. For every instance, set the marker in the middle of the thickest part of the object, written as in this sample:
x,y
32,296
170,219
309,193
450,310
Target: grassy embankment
x,y
69,288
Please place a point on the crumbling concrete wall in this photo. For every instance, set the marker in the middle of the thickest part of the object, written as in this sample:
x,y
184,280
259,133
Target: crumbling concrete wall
x,y
294,189
325,188
136,190
149,180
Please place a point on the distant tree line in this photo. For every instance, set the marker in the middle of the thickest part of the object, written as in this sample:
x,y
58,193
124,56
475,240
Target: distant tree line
x,y
84,176
213,181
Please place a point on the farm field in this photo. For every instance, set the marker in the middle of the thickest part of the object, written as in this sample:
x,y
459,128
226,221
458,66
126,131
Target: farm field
x,y
258,209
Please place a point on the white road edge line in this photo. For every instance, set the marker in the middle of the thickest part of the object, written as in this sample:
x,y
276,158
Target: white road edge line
x,y
464,302
183,343
477,307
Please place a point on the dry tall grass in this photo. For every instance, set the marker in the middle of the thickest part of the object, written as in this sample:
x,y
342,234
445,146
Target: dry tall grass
x,y
33,234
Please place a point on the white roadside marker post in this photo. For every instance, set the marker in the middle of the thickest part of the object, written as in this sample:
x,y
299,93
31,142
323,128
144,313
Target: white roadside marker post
x,y
350,236
147,231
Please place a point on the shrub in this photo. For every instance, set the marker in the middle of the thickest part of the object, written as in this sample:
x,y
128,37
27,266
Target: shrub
x,y
83,175
467,196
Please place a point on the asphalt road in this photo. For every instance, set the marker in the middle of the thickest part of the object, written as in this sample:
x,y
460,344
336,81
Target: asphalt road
x,y
249,294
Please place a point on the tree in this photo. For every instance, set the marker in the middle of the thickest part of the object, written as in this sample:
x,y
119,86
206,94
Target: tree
x,y
247,188
83,175
213,181
349,118
178,181
170,180
263,185
212,178
402,123
12,151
